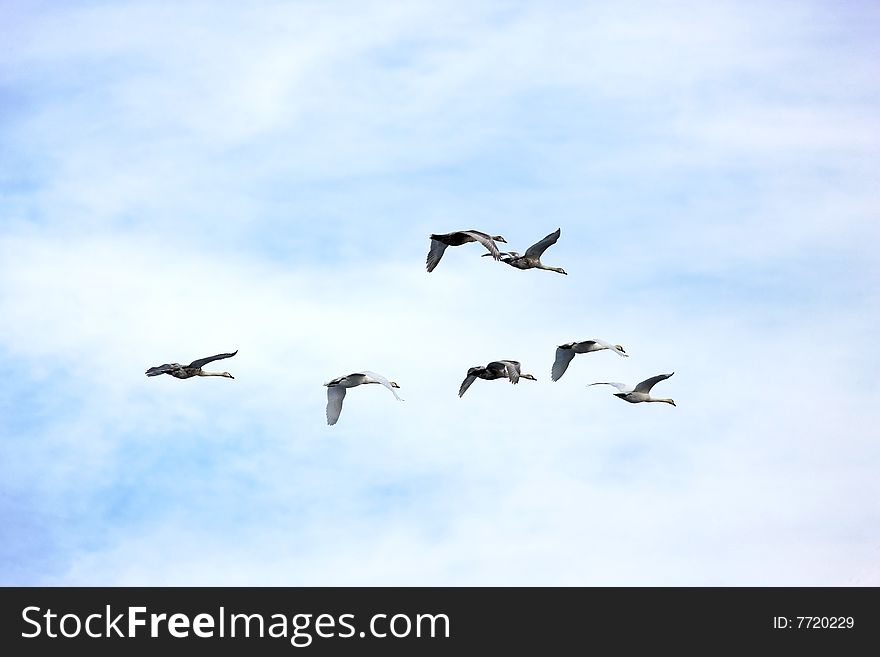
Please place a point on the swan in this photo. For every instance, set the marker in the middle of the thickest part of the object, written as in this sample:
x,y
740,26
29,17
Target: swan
x,y
459,237
532,257
565,352
336,390
179,371
640,392
497,369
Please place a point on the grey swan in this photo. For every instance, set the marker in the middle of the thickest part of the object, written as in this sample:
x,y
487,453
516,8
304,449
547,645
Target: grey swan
x,y
459,237
532,257
179,371
497,369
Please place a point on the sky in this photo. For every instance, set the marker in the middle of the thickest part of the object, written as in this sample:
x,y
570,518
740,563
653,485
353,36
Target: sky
x,y
184,179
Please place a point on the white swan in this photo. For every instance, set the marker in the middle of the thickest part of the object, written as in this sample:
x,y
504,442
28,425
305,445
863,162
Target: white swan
x,y
336,390
497,369
565,353
179,371
640,392
457,238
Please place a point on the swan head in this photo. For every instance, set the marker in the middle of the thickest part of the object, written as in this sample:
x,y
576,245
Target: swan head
x,y
498,238
620,348
530,377
227,375
393,384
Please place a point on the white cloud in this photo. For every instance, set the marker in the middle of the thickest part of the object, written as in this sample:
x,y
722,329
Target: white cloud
x,y
268,183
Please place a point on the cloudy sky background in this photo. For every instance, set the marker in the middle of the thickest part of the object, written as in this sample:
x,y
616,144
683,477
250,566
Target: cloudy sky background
x,y
182,179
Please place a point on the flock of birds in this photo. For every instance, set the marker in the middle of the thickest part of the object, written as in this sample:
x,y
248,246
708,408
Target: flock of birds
x,y
499,369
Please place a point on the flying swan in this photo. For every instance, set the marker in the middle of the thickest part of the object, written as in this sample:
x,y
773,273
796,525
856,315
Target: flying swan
x,y
459,237
565,353
179,371
532,257
498,369
640,392
336,390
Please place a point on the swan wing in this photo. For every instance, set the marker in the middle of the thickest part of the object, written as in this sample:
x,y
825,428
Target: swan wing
x,y
435,253
201,362
563,358
162,369
538,248
623,387
512,367
335,395
485,240
469,379
646,385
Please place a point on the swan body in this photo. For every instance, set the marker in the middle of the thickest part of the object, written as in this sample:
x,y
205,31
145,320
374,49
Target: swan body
x,y
337,387
640,392
498,369
566,352
457,238
179,371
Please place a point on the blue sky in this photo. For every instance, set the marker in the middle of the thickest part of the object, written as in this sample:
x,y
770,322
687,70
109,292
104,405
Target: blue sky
x,y
178,180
